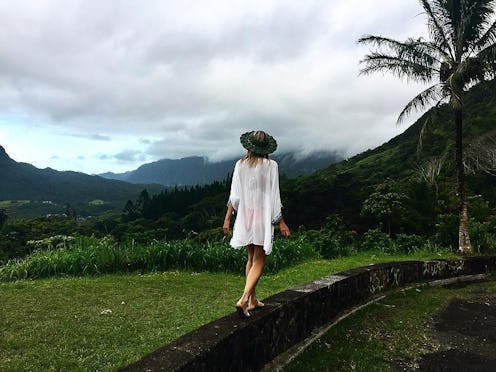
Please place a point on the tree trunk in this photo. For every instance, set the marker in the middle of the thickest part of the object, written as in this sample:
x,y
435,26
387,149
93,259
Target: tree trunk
x,y
464,246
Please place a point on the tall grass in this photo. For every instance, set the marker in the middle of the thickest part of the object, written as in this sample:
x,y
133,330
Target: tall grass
x,y
91,256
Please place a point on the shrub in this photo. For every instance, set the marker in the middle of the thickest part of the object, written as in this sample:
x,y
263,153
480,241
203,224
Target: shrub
x,y
447,230
376,240
288,252
408,243
479,208
329,243
483,236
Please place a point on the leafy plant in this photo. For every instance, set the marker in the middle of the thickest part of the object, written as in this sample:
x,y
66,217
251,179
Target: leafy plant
x,y
385,204
93,256
409,243
376,240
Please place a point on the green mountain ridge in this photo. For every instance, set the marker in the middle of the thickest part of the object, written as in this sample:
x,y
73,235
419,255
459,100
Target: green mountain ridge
x,y
54,189
342,188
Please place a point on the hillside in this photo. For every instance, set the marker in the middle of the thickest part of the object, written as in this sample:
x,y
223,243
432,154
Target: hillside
x,y
52,189
196,170
342,187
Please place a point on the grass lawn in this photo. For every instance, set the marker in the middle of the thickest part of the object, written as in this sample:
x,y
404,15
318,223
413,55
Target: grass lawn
x,y
57,324
377,337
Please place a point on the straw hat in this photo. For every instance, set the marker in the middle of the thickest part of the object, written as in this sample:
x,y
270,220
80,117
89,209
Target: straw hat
x,y
252,144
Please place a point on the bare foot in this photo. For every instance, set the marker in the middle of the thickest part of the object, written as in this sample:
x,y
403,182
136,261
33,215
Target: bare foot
x,y
256,305
242,309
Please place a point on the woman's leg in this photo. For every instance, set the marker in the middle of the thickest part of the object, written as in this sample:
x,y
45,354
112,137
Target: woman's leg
x,y
253,275
252,301
251,250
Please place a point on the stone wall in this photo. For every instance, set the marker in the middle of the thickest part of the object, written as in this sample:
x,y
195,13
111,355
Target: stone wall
x,y
233,344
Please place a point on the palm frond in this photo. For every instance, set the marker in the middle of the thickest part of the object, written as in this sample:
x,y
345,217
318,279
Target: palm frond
x,y
437,30
461,51
488,54
434,94
382,42
434,113
414,50
475,18
419,51
488,58
423,131
413,59
404,69
475,69
486,40
434,49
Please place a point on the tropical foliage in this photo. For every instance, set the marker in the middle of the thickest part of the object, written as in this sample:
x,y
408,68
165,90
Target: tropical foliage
x,y
461,52
79,256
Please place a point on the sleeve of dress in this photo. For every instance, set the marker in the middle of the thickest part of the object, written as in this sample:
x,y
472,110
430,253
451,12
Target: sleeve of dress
x,y
234,196
276,196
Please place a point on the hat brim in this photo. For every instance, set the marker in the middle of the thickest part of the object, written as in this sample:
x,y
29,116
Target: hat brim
x,y
268,148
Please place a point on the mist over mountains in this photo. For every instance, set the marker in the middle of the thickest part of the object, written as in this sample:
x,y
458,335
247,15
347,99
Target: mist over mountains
x,y
196,170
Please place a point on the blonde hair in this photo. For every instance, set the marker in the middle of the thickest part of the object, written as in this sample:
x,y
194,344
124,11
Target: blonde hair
x,y
254,159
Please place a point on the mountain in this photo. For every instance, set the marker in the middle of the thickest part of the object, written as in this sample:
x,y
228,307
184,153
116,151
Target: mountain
x,y
401,156
22,181
342,187
197,170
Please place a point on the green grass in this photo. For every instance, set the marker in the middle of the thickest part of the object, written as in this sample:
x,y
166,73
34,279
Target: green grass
x,y
393,329
56,324
13,203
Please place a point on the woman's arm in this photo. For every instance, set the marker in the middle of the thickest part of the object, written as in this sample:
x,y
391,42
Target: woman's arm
x,y
227,219
276,203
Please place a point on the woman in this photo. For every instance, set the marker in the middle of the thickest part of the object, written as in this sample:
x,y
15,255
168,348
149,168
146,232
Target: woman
x,y
256,200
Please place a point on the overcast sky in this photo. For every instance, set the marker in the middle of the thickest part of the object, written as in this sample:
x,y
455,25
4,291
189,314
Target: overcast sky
x,y
97,86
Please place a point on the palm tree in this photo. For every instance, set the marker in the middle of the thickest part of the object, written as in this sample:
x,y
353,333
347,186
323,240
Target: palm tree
x,y
460,53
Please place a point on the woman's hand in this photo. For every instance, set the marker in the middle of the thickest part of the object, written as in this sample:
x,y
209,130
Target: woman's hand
x,y
227,219
284,229
226,227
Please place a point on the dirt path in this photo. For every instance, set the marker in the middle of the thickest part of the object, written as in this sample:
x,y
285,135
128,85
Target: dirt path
x,y
466,333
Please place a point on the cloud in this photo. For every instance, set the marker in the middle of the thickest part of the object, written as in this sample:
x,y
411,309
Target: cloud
x,y
129,155
124,156
188,77
92,137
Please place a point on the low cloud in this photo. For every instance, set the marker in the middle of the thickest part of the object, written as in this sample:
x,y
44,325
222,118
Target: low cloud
x,y
187,78
130,155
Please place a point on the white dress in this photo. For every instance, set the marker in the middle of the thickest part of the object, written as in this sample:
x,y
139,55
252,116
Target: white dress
x,y
256,199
